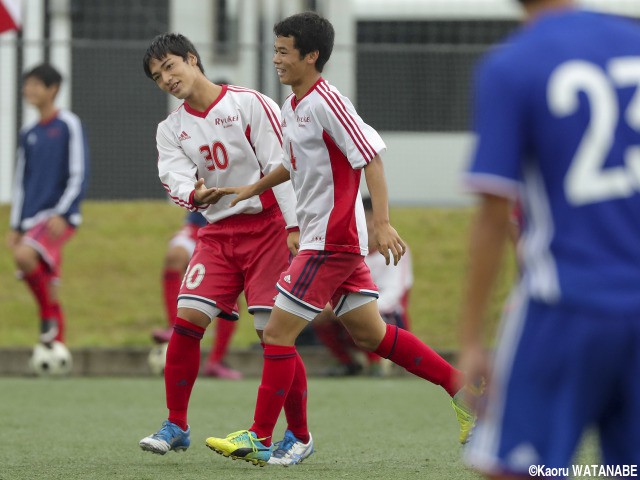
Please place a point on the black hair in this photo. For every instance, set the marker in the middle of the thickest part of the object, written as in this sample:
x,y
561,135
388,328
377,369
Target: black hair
x,y
45,73
366,203
169,43
310,32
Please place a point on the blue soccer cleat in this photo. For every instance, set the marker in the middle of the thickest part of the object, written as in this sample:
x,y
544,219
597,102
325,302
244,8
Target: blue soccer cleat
x,y
290,450
243,445
169,437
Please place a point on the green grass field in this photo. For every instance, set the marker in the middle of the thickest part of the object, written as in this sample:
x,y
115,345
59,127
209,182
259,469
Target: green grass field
x,y
89,428
83,428
111,287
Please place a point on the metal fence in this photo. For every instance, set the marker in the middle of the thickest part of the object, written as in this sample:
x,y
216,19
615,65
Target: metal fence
x,y
411,75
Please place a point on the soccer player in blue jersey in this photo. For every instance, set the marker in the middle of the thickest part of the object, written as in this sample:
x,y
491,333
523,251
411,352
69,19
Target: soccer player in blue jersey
x,y
557,115
50,182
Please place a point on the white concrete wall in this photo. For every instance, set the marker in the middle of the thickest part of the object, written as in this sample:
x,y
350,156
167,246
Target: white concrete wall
x,y
425,168
340,70
470,9
8,105
193,19
61,48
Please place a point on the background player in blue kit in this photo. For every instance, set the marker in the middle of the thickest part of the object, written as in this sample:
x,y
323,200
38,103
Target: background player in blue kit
x,y
50,182
557,115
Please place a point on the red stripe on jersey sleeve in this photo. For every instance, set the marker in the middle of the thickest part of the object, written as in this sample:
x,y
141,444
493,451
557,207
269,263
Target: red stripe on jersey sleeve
x,y
363,153
347,119
271,115
351,119
178,201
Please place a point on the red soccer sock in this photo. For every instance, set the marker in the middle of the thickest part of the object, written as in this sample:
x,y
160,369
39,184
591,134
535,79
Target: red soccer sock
x,y
181,369
56,309
59,316
295,405
224,332
405,349
38,282
331,335
278,372
171,280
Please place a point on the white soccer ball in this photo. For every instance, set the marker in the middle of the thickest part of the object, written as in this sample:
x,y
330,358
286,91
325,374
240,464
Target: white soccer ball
x,y
51,360
157,358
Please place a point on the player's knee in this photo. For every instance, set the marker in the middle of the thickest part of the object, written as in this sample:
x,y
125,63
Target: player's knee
x,y
365,341
271,336
194,316
274,335
26,258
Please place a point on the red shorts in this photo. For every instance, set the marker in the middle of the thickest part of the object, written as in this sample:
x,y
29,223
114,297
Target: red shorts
x,y
316,278
50,249
244,252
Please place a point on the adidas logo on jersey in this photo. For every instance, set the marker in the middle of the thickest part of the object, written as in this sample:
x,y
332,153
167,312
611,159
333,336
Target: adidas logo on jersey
x,y
287,278
184,136
284,123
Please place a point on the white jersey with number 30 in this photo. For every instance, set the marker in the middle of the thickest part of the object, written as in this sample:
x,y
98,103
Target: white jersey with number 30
x,y
326,145
232,143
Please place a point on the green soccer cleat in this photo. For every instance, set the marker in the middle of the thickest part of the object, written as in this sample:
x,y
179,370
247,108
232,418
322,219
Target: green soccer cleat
x,y
464,412
243,445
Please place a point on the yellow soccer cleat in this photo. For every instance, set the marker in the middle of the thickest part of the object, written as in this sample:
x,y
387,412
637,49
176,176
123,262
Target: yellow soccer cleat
x,y
243,445
464,412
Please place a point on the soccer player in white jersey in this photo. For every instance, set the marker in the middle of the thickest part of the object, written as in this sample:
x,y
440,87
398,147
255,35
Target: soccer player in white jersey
x,y
327,146
557,114
219,136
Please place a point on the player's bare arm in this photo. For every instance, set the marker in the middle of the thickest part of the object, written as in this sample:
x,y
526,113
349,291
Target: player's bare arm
x,y
489,233
275,177
387,239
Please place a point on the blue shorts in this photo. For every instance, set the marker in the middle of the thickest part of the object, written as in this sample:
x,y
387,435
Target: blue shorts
x,y
557,372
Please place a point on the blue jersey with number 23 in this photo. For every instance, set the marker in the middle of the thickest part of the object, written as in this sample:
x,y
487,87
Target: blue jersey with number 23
x,y
557,114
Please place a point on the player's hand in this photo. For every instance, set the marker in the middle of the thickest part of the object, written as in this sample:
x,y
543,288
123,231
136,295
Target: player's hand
x,y
56,226
387,239
242,193
13,239
293,242
206,196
